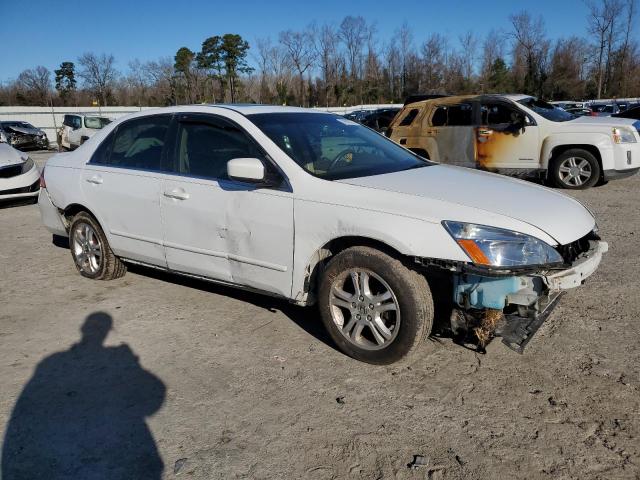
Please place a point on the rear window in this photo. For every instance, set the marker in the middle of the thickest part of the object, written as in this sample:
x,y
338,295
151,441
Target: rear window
x,y
409,117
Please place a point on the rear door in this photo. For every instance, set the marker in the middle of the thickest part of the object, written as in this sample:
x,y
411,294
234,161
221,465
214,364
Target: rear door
x,y
507,138
451,130
121,184
218,227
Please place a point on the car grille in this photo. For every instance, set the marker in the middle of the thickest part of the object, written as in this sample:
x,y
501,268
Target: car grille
x,y
34,187
11,171
571,251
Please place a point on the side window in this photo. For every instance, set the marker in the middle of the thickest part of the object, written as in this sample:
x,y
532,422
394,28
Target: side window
x,y
439,118
497,114
203,149
453,116
138,143
409,117
101,154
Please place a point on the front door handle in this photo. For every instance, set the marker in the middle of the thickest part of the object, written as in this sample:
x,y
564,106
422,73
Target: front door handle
x,y
403,141
485,132
96,179
177,193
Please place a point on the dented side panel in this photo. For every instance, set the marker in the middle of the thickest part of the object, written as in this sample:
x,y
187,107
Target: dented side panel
x,y
231,232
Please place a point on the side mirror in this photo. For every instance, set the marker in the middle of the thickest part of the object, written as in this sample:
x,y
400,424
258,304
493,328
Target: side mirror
x,y
246,170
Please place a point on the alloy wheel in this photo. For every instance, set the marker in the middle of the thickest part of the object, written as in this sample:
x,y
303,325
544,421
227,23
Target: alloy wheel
x,y
575,171
87,249
365,309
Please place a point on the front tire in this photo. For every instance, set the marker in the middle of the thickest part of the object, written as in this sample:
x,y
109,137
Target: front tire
x,y
575,169
375,308
90,250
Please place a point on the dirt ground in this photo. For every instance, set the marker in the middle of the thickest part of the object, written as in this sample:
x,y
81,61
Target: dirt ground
x,y
206,382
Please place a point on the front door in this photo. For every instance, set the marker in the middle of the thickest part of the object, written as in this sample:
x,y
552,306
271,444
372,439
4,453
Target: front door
x,y
220,228
507,140
122,186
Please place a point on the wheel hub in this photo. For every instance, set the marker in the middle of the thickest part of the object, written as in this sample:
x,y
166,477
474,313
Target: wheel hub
x,y
365,309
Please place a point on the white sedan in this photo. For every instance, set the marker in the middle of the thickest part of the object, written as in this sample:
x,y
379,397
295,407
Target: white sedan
x,y
314,208
19,176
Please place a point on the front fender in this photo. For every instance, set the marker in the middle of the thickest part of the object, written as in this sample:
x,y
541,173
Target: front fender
x,y
598,140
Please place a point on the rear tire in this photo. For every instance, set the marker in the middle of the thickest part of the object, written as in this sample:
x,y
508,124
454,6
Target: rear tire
x,y
382,319
575,169
90,250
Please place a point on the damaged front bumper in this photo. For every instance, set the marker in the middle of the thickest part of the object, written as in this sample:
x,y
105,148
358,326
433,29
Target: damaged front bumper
x,y
523,301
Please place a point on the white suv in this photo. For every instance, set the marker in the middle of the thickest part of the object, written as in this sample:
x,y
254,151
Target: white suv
x,y
77,129
520,136
312,207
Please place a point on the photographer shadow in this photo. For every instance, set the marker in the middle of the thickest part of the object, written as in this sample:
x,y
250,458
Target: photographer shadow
x,y
82,414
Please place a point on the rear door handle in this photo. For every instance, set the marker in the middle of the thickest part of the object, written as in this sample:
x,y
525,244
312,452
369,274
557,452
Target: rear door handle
x,y
403,141
177,193
96,179
485,132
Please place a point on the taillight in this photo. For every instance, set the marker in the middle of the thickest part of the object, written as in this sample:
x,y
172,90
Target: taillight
x,y
43,184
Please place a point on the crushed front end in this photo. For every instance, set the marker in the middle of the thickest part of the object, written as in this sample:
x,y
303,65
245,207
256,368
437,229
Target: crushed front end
x,y
512,303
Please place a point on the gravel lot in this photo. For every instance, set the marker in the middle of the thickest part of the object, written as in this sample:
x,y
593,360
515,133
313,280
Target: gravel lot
x,y
208,382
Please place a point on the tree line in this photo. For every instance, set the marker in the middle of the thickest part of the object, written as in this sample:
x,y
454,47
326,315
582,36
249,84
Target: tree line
x,y
348,63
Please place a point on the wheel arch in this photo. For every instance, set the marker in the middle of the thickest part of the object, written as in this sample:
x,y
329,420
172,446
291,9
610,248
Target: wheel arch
x,y
73,209
560,149
331,248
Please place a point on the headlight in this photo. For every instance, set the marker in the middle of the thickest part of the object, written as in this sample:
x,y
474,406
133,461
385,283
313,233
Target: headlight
x,y
622,135
501,248
27,165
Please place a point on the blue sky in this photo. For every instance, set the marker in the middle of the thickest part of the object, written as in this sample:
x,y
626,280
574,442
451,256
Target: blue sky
x,y
47,33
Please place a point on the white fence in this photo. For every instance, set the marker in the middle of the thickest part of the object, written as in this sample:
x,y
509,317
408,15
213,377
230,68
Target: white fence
x,y
49,119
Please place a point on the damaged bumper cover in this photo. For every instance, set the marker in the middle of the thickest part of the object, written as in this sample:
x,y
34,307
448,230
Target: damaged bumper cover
x,y
526,300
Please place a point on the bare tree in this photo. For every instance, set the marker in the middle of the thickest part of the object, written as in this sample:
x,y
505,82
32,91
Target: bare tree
x,y
353,34
601,20
98,73
300,50
530,41
326,46
35,85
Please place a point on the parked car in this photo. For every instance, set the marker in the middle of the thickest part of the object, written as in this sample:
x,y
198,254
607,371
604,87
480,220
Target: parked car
x,y
633,113
23,135
314,208
521,136
578,112
77,129
378,119
19,176
604,109
568,105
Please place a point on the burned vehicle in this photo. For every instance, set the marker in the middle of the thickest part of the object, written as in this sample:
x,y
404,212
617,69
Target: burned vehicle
x,y
23,135
521,136
378,119
316,209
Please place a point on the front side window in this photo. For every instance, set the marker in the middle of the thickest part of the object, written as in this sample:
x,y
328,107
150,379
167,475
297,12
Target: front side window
x,y
136,144
203,149
96,123
332,148
497,114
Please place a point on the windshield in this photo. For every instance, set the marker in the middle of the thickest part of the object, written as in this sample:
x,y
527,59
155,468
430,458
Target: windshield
x,y
546,110
96,122
331,147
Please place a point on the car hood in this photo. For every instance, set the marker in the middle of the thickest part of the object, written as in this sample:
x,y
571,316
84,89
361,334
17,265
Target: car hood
x,y
10,156
558,215
604,121
25,130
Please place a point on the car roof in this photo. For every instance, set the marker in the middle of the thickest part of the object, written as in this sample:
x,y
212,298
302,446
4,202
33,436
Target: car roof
x,y
460,98
251,108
